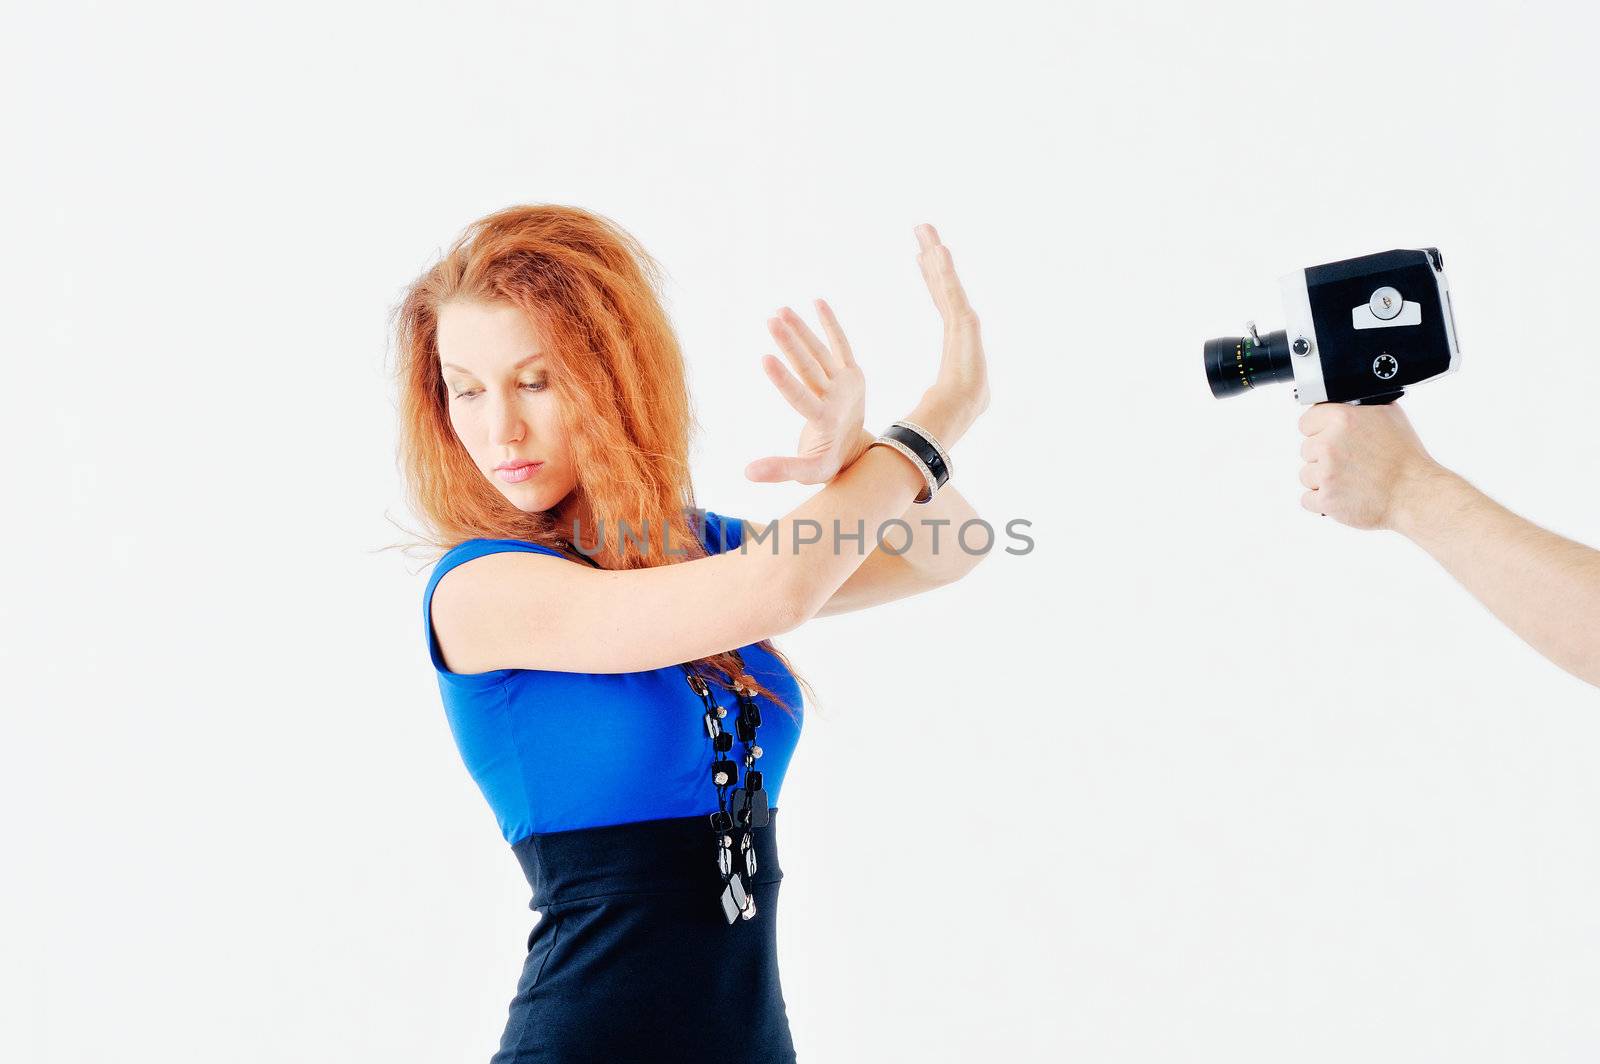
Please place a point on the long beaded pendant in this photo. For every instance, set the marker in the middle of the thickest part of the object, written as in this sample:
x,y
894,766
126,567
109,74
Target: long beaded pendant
x,y
748,808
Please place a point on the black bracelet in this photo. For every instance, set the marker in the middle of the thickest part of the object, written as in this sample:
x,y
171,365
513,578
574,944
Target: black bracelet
x,y
919,445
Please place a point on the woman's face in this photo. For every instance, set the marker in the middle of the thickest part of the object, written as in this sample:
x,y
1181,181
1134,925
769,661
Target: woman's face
x,y
502,404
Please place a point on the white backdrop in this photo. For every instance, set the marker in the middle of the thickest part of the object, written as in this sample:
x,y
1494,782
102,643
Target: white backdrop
x,y
1202,778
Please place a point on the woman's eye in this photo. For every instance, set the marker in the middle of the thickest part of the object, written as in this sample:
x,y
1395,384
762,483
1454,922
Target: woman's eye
x,y
537,386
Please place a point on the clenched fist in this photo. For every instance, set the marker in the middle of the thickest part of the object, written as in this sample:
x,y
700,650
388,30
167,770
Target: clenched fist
x,y
1364,464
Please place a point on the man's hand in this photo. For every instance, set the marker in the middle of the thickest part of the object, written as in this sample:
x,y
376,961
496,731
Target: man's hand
x,y
1364,466
1367,468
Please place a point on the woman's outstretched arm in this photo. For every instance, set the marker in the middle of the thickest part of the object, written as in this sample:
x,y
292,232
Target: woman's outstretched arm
x,y
929,556
516,610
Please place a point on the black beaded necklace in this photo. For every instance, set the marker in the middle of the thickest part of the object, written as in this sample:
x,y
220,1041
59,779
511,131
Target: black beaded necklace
x,y
746,807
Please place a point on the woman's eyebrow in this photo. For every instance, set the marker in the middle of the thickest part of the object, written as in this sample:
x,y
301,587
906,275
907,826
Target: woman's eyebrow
x,y
531,358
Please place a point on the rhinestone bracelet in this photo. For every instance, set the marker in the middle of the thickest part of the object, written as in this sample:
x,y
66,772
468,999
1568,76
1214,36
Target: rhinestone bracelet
x,y
924,451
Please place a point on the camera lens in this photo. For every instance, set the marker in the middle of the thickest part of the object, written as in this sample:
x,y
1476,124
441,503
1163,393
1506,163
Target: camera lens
x,y
1237,363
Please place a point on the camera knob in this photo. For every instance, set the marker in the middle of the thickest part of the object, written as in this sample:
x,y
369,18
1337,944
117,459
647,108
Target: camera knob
x,y
1301,346
1386,303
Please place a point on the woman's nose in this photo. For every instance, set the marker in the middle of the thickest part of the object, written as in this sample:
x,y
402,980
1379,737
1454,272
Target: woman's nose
x,y
507,425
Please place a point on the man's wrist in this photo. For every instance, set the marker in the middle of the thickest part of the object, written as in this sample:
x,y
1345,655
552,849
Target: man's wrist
x,y
1423,495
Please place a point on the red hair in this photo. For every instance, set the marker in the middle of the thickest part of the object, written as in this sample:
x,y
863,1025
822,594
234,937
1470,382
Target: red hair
x,y
591,291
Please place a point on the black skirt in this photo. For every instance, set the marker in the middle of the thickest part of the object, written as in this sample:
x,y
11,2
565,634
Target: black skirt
x,y
633,959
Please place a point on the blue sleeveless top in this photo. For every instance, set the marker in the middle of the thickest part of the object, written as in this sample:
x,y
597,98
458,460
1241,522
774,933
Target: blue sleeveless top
x,y
555,751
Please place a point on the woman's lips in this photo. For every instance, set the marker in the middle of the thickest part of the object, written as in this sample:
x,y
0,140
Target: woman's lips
x,y
517,474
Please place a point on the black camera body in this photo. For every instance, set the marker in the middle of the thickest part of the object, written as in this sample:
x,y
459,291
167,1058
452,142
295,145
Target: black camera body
x,y
1361,330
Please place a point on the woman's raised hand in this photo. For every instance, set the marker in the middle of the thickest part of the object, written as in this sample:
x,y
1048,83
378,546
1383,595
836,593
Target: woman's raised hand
x,y
961,392
831,394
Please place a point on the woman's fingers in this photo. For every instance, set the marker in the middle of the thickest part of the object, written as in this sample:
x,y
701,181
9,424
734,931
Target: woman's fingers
x,y
818,349
958,310
803,399
932,281
939,271
830,325
777,468
927,240
1309,478
803,361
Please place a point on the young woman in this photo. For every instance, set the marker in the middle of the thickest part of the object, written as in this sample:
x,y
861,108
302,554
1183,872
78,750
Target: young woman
x,y
603,646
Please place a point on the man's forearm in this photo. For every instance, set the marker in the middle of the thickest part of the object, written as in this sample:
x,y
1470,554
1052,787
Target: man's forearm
x,y
1545,587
